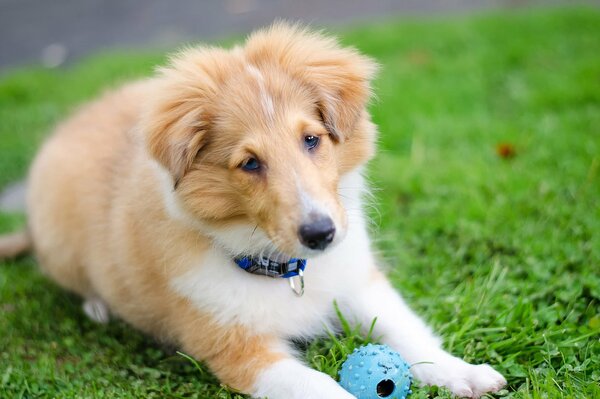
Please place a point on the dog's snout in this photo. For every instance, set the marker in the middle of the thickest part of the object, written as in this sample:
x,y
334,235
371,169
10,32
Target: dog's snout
x,y
318,234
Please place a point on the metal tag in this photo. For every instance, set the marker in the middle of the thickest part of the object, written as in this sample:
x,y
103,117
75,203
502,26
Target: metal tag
x,y
297,286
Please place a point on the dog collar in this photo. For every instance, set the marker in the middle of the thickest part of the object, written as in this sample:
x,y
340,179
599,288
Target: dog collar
x,y
293,269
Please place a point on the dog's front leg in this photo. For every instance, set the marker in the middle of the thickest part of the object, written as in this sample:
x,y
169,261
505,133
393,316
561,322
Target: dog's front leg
x,y
404,331
290,379
260,365
273,373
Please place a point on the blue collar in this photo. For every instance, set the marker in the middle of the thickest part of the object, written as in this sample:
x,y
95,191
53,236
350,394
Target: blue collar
x,y
267,267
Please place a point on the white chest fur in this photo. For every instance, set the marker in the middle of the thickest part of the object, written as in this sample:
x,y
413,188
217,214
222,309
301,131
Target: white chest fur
x,y
264,304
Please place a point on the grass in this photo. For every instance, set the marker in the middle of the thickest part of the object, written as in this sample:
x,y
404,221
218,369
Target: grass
x,y
500,255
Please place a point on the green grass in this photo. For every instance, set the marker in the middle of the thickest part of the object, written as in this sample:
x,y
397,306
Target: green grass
x,y
501,256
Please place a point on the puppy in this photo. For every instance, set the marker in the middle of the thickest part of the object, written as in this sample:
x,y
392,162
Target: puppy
x,y
218,206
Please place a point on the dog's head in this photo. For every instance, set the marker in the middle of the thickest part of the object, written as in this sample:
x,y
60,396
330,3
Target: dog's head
x,y
257,138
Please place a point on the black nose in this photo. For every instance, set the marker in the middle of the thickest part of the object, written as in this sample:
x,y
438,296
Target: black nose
x,y
318,234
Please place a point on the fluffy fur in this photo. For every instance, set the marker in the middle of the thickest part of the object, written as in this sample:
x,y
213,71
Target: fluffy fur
x,y
139,203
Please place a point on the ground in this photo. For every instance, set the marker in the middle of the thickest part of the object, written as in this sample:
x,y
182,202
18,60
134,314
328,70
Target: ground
x,y
486,209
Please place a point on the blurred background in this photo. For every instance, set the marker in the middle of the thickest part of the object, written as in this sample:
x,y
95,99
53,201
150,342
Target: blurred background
x,y
56,32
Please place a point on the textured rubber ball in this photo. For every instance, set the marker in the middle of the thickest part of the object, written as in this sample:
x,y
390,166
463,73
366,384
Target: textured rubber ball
x,y
374,372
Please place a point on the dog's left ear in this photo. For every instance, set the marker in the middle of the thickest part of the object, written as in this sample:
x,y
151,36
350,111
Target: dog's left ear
x,y
341,79
339,76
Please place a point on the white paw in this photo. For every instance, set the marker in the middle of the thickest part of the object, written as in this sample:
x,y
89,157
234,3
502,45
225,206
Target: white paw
x,y
288,379
462,379
96,310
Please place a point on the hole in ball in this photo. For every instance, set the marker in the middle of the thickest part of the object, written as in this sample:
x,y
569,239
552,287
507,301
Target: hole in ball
x,y
385,388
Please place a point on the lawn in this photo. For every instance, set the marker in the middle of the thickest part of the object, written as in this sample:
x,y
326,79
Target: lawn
x,y
501,254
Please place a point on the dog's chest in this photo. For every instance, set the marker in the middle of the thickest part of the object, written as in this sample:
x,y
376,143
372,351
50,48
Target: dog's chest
x,y
263,304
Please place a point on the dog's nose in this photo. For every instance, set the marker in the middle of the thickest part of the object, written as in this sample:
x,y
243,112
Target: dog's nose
x,y
317,234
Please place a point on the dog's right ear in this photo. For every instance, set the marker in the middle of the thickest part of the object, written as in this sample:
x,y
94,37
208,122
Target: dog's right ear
x,y
175,134
177,117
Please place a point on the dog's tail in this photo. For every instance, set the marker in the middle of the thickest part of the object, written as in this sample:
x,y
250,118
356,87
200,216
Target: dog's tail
x,y
15,244
12,199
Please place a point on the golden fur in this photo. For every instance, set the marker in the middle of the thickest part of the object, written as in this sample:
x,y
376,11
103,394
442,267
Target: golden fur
x,y
13,245
96,210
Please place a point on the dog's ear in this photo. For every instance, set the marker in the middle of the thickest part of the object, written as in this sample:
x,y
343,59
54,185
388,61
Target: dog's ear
x,y
342,82
339,76
177,116
175,135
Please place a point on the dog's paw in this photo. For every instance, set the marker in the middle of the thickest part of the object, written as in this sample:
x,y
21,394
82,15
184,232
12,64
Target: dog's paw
x,y
288,379
96,310
462,379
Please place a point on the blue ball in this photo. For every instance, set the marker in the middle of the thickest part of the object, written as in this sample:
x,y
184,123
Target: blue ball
x,y
375,372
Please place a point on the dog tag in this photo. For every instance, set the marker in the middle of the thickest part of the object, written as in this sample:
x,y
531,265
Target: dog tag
x,y
297,283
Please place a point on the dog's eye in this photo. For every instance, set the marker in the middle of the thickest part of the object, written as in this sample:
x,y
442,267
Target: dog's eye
x,y
311,142
251,165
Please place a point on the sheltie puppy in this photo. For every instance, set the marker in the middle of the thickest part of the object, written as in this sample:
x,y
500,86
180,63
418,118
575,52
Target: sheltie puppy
x,y
218,206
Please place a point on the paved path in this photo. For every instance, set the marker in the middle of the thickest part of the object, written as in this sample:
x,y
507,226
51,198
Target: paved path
x,y
54,31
